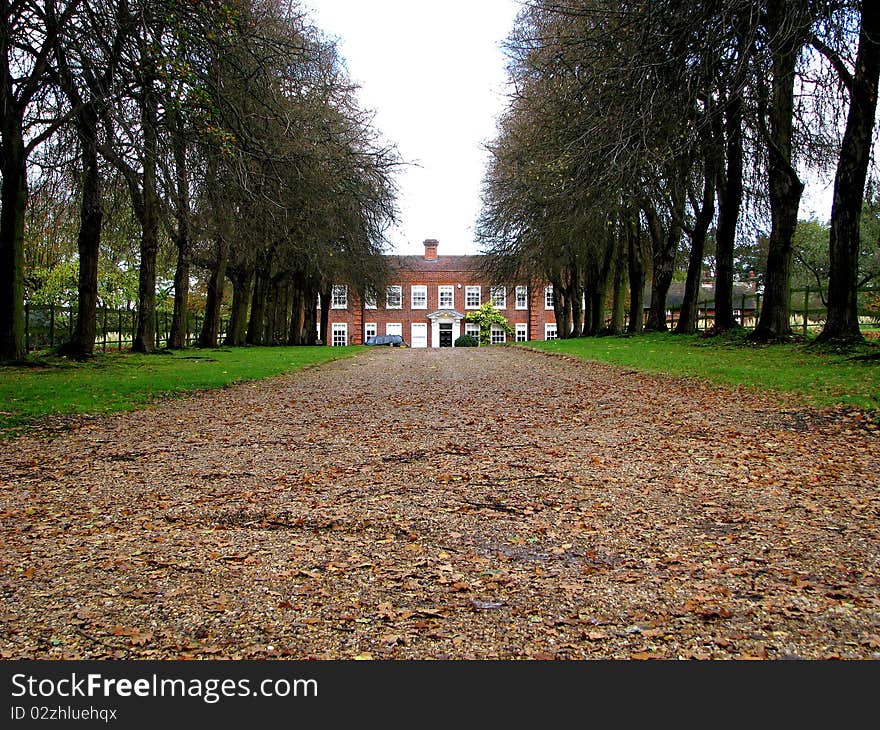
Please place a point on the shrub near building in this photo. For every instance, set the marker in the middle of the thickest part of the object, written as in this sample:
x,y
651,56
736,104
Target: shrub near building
x,y
487,317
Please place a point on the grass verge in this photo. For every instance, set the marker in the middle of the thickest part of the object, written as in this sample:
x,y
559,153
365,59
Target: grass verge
x,y
51,386
823,378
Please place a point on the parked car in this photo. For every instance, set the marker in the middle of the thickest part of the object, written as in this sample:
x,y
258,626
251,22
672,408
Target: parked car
x,y
386,340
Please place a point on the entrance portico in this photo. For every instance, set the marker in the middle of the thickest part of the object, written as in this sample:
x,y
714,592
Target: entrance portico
x,y
445,327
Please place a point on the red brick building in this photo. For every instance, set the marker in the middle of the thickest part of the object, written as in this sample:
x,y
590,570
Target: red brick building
x,y
428,298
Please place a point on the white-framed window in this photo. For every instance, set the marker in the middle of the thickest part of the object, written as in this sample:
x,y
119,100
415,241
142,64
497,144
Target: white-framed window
x,y
370,330
548,297
394,297
550,331
446,297
497,335
522,332
499,297
339,299
473,330
472,297
394,328
340,334
419,297
370,299
522,297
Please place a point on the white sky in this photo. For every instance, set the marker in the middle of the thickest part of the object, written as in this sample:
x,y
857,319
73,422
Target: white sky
x,y
434,75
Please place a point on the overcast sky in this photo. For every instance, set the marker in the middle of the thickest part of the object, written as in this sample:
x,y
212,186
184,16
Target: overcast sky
x,y
434,75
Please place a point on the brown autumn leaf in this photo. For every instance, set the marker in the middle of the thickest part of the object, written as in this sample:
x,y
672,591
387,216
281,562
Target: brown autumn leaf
x,y
585,507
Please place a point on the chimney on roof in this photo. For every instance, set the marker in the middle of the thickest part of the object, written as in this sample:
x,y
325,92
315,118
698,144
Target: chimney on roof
x,y
431,249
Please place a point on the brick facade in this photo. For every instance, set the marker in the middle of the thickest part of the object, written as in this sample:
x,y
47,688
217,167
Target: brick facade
x,y
437,323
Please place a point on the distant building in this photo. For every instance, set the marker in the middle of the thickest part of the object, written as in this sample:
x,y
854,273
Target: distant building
x,y
428,298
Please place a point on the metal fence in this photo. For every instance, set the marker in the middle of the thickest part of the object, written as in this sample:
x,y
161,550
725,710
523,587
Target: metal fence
x,y
47,326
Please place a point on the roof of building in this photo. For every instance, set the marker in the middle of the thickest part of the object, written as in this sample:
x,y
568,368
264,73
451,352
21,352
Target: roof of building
x,y
707,295
441,263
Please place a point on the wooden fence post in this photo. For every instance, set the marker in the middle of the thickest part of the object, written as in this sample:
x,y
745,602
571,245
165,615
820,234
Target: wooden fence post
x,y
806,308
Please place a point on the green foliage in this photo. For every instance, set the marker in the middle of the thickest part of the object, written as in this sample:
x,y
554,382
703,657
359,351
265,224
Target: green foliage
x,y
124,382
821,378
484,318
810,243
467,341
53,284
811,254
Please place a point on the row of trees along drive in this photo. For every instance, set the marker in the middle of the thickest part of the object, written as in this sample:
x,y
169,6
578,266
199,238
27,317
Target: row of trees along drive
x,y
637,130
224,133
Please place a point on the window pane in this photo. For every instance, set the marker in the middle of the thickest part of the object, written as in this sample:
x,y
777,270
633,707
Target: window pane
x,y
446,296
340,335
340,297
472,297
420,297
393,297
499,297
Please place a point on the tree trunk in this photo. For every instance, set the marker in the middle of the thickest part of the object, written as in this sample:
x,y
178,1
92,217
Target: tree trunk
x,y
561,310
664,250
687,318
296,317
256,324
273,313
242,286
842,324
145,336
177,337
603,281
91,213
636,274
597,309
13,204
730,195
214,299
785,188
618,306
576,296
310,323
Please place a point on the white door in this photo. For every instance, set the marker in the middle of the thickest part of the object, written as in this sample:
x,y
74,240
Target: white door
x,y
419,335
394,328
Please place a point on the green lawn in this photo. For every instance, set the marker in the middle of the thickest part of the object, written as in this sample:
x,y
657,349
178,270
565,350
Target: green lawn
x,y
121,382
822,378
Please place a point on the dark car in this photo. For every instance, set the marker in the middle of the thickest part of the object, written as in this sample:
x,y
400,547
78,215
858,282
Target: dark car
x,y
386,340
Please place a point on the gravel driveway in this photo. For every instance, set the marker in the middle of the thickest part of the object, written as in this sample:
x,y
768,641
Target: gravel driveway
x,y
469,503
